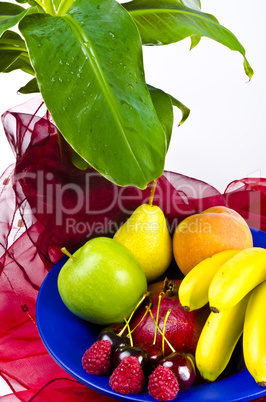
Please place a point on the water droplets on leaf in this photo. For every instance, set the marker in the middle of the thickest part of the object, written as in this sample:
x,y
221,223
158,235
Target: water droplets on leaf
x,y
60,79
111,34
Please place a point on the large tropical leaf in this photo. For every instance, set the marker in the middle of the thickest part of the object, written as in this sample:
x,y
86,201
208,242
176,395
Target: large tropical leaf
x,y
185,110
164,109
195,4
10,15
162,22
30,88
13,53
164,103
89,68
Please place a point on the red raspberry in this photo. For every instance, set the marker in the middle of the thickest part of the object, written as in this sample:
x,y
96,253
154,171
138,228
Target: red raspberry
x,y
163,385
128,377
97,359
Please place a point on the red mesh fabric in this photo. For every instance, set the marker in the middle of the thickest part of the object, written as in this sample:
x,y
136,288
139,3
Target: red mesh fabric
x,y
45,204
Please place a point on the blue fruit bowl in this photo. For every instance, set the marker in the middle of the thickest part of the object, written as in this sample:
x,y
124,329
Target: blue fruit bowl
x,y
66,338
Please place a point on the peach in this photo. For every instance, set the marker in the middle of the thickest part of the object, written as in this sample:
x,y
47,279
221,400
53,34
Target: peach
x,y
201,235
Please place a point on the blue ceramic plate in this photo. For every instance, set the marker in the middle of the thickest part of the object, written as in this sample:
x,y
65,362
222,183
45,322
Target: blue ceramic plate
x,y
66,338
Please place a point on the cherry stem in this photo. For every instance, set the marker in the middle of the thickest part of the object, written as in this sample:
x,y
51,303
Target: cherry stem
x,y
153,188
129,332
164,325
146,294
66,252
157,318
144,315
166,340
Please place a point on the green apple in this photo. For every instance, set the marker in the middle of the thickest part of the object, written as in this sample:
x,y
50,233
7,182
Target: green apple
x,y
103,283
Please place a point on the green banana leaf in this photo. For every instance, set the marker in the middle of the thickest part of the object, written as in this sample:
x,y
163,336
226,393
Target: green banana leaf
x,y
30,87
95,90
13,53
162,102
185,111
161,22
164,109
195,4
195,39
10,15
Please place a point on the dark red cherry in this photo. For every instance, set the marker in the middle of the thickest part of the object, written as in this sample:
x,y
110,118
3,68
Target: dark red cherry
x,y
135,351
182,365
154,352
111,334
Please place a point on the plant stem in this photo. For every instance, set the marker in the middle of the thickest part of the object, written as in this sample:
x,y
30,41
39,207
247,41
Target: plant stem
x,y
64,6
153,188
40,3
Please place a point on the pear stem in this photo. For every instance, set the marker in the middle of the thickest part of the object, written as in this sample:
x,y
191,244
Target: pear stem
x,y
157,318
66,252
153,188
146,294
161,332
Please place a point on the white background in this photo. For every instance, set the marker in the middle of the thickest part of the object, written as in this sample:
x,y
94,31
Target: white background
x,y
225,136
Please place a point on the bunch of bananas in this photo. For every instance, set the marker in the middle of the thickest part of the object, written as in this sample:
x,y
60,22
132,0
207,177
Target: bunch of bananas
x,y
234,284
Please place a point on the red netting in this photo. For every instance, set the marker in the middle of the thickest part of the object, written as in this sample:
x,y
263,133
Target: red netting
x,y
46,203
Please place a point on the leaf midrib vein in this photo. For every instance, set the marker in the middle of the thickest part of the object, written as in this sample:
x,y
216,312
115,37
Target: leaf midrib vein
x,y
88,50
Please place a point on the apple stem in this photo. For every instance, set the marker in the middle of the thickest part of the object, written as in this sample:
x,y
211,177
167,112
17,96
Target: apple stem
x,y
146,294
153,188
164,325
129,332
166,340
66,252
157,318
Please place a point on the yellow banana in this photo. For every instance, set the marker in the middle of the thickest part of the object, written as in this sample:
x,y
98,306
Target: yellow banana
x,y
194,288
237,277
218,340
254,335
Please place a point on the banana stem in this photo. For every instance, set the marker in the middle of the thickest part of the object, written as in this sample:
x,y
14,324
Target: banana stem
x,y
66,252
153,188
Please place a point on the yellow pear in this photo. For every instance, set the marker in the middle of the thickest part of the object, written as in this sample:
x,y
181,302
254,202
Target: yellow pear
x,y
146,235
